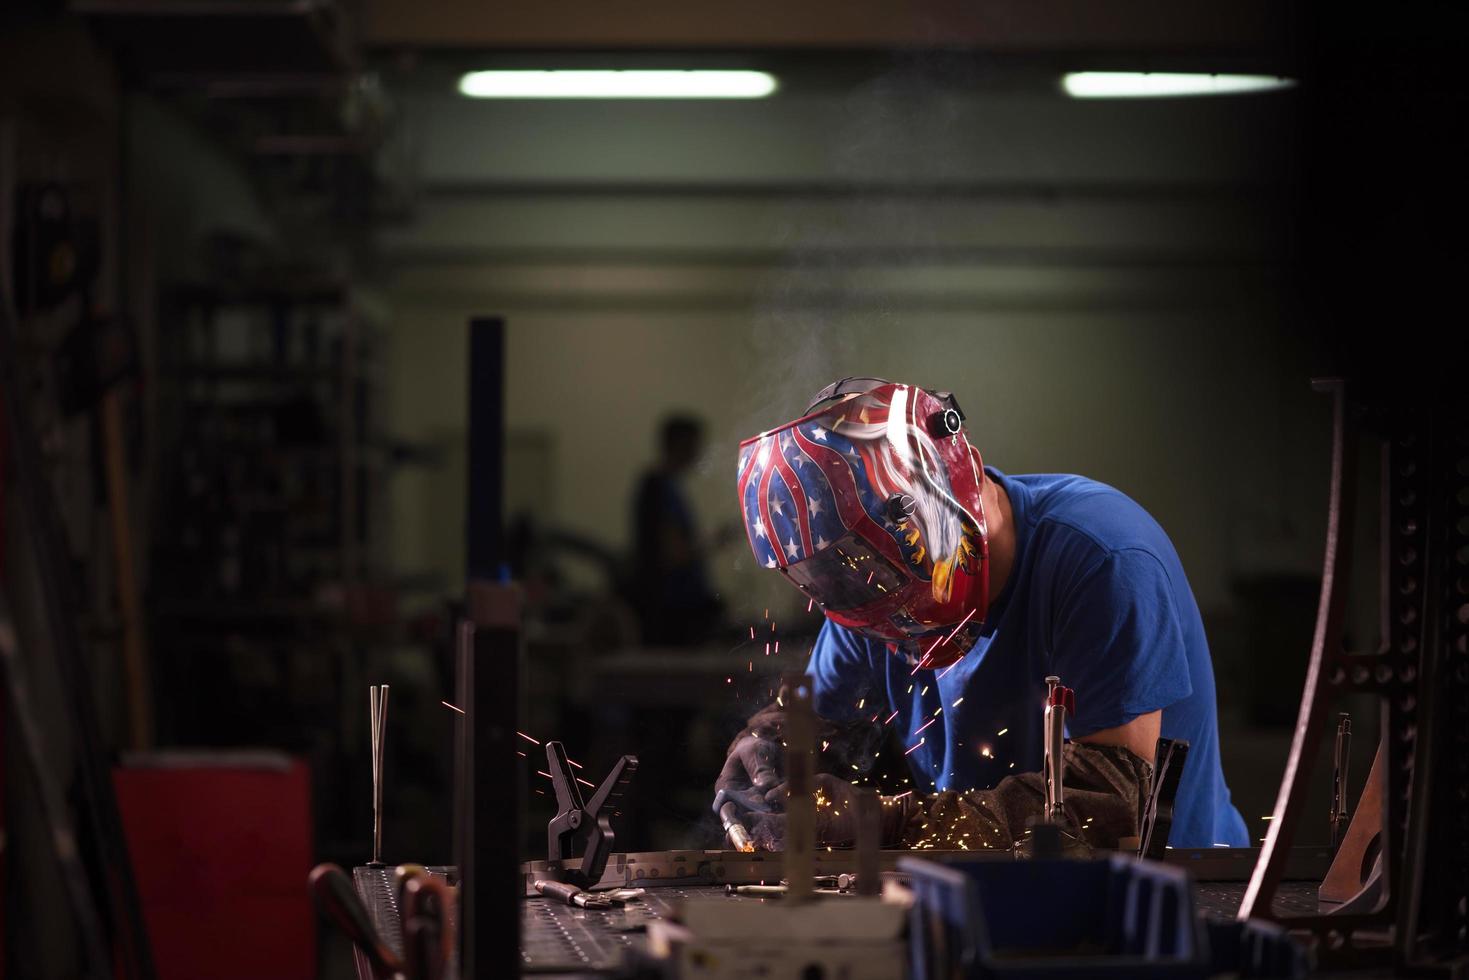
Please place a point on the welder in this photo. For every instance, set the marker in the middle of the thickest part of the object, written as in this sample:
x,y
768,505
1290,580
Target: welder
x,y
951,591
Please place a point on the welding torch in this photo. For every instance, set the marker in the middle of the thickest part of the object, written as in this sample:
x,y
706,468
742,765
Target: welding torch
x,y
734,830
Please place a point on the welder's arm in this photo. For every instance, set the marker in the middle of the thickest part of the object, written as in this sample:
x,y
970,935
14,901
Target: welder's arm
x,y
1106,789
1140,736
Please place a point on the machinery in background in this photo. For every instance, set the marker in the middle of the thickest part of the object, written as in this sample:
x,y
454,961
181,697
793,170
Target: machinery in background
x,y
1400,881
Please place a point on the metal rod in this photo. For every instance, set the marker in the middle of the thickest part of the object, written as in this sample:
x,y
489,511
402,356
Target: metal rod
x,y
1326,654
1341,763
869,842
377,705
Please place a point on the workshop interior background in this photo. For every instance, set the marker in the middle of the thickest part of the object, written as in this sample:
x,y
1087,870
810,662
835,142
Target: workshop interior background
x,y
243,244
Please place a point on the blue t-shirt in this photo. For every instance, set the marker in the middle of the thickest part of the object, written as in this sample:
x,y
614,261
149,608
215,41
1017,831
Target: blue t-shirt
x,y
1096,595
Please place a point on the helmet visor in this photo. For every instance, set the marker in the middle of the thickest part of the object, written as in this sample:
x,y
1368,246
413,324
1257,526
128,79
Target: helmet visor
x,y
847,574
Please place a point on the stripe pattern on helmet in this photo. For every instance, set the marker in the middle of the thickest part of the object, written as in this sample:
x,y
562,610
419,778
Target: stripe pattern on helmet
x,y
803,487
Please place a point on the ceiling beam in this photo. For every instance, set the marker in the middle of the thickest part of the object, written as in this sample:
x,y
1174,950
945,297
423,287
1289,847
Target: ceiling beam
x,y
1017,26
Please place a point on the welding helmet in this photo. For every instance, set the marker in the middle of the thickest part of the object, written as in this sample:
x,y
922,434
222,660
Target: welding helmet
x,y
870,504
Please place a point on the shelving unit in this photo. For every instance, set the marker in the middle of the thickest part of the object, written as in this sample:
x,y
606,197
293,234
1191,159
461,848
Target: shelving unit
x,y
266,517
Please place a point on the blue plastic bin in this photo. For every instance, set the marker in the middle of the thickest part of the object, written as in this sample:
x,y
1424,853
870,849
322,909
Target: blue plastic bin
x,y
1037,920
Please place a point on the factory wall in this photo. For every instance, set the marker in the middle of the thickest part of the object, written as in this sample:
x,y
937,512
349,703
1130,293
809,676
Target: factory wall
x,y
1100,285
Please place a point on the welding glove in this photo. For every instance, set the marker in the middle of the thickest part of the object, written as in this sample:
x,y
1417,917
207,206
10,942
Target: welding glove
x,y
1105,794
753,777
1106,790
754,773
836,817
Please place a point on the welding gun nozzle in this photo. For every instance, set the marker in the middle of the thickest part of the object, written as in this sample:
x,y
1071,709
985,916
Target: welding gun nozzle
x,y
734,830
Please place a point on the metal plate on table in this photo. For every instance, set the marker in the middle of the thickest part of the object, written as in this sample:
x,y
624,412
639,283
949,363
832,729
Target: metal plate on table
x,y
1221,899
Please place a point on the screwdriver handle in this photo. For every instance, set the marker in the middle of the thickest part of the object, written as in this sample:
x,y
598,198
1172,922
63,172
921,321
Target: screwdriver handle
x,y
338,901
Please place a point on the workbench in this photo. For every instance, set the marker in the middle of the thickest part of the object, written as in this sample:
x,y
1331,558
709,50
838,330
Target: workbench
x,y
558,940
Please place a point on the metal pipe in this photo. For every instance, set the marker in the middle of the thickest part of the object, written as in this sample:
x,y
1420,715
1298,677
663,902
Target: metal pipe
x,y
1341,763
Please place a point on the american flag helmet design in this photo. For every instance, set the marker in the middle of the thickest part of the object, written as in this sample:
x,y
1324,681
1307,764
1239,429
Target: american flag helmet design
x,y
870,503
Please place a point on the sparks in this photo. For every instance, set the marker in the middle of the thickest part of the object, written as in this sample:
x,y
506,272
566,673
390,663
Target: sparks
x,y
584,782
767,649
861,704
957,703
962,622
452,707
910,751
1002,731
925,725
890,717
546,774
521,754
528,738
809,604
984,750
777,646
901,795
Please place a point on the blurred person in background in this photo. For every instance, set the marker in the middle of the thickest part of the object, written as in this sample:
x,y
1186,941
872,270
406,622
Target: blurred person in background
x,y
670,582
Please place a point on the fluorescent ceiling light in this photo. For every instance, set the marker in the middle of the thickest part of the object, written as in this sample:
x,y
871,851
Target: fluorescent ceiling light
x,y
1150,85
617,84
